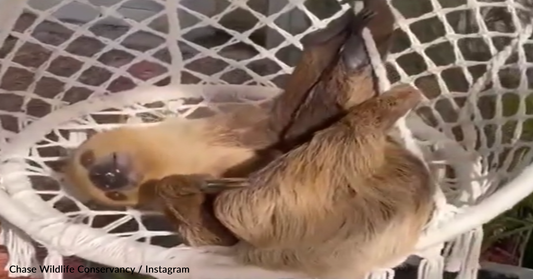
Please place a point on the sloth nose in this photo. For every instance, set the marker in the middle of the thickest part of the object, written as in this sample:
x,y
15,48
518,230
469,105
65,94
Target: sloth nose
x,y
110,173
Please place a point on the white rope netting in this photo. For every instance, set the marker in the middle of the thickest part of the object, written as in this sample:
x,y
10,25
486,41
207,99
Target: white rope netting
x,y
64,75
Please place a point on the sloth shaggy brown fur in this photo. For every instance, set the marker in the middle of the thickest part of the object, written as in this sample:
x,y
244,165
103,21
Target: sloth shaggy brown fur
x,y
349,201
333,74
322,190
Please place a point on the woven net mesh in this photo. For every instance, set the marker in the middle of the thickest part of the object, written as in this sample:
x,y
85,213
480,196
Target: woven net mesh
x,y
471,58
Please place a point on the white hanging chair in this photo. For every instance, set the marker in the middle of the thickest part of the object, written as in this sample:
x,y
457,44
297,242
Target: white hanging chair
x,y
38,117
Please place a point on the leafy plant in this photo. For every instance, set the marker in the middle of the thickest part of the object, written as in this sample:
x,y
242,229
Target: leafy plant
x,y
511,232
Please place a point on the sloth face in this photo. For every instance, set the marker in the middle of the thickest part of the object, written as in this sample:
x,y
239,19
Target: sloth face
x,y
112,172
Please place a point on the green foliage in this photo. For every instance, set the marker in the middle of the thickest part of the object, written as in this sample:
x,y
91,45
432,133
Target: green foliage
x,y
515,225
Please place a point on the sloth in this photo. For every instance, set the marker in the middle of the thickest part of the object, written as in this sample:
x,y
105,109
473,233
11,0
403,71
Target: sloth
x,y
334,73
311,184
350,200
